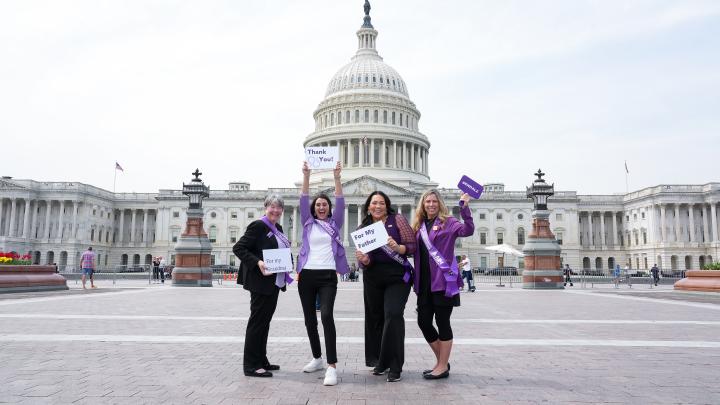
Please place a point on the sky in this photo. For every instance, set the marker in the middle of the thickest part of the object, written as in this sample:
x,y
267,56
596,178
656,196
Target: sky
x,y
575,87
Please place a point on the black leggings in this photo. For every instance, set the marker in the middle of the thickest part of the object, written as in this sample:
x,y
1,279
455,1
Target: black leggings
x,y
442,318
321,283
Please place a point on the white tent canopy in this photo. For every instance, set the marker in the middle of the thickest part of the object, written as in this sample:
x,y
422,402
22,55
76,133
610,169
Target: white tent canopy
x,y
505,249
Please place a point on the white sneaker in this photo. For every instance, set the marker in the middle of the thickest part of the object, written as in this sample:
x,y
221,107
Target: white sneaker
x,y
330,376
314,365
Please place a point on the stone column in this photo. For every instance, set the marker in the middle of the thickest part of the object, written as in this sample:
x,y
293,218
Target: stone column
x,y
692,223
713,217
663,228
590,230
412,157
74,221
394,159
13,209
383,154
615,230
602,229
145,225
33,223
48,204
677,222
371,158
132,226
706,224
399,209
404,156
61,220
26,219
359,214
361,153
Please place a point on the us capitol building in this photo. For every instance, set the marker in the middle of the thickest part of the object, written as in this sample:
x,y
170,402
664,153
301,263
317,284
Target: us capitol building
x,y
367,112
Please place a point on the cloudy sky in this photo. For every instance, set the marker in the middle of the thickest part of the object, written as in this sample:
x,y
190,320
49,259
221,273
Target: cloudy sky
x,y
504,87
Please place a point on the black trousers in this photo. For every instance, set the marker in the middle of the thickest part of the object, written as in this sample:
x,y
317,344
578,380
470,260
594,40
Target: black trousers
x,y
323,284
262,308
385,295
442,319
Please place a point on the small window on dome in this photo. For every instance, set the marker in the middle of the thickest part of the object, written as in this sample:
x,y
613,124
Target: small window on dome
x,y
352,79
366,78
375,116
385,117
381,80
347,116
374,79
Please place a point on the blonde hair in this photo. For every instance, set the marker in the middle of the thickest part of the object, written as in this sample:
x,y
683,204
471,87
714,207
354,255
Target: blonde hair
x,y
421,215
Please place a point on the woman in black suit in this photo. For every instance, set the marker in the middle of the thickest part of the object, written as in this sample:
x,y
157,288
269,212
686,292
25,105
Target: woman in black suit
x,y
264,286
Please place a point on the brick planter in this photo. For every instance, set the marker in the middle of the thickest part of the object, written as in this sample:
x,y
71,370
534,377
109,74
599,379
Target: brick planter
x,y
17,278
700,280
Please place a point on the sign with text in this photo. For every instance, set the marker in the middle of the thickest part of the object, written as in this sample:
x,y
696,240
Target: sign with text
x,y
277,260
470,186
370,237
322,157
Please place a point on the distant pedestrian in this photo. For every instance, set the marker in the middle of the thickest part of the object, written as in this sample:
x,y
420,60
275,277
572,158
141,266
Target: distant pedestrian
x,y
467,272
568,272
616,275
156,268
161,267
87,264
655,274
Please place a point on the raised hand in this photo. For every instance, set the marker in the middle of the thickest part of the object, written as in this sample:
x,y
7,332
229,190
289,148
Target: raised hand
x,y
336,170
306,169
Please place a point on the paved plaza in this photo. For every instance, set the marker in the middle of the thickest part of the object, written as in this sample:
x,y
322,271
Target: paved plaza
x,y
136,343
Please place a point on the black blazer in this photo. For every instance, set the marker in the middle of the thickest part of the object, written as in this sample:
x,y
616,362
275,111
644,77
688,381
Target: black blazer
x,y
248,249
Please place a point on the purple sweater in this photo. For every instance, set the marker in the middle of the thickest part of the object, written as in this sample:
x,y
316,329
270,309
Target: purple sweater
x,y
336,222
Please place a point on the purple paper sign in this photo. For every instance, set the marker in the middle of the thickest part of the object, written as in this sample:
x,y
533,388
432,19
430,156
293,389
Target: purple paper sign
x,y
470,186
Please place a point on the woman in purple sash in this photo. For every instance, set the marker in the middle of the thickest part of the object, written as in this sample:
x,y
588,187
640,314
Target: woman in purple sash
x,y
321,257
386,286
264,287
437,279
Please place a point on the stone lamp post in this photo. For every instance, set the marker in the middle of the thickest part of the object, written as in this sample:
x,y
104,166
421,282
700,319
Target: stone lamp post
x,y
192,251
542,252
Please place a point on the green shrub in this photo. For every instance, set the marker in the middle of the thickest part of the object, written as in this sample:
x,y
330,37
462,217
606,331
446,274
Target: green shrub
x,y
712,266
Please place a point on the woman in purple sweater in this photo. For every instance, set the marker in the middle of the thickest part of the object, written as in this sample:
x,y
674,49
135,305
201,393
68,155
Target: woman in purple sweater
x,y
437,279
321,257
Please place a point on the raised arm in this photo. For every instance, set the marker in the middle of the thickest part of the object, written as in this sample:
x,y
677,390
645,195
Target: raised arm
x,y
467,227
306,179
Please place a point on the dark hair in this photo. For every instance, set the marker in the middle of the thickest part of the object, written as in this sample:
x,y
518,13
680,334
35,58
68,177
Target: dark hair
x,y
314,200
90,248
367,218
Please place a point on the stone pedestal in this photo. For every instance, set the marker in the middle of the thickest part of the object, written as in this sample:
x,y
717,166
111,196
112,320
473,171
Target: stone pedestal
x,y
542,256
700,280
20,278
192,254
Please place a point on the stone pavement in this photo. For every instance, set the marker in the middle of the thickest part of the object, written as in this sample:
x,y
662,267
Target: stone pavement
x,y
137,343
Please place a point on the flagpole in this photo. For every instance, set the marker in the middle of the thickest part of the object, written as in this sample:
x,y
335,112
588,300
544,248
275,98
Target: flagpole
x,y
626,182
114,178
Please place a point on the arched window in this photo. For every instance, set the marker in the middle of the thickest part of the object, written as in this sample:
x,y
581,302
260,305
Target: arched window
x,y
401,121
521,236
384,116
347,116
392,119
367,116
339,117
357,116
375,116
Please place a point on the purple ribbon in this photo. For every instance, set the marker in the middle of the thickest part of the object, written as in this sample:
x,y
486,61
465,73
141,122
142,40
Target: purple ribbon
x,y
450,272
330,230
281,279
402,260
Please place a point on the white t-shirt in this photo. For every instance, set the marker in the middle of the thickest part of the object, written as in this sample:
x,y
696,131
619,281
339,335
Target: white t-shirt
x,y
321,253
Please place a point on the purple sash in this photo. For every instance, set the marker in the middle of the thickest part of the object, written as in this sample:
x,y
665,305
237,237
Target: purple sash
x,y
330,230
283,242
449,272
402,260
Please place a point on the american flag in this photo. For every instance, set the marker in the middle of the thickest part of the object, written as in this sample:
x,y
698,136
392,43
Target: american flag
x,y
118,167
365,140
626,169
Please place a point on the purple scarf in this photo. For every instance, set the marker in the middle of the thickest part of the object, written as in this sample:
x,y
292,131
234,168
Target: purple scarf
x,y
449,272
330,230
281,279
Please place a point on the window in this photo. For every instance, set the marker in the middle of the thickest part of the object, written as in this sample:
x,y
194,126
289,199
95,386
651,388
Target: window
x,y
500,238
498,215
520,216
176,214
643,217
93,211
347,116
481,216
213,234
357,116
212,260
107,236
401,121
521,236
233,214
644,238
392,118
559,238
627,218
483,238
251,215
558,217
483,262
172,260
233,236
92,235
375,116
385,117
367,116
174,236
213,214
635,217
232,260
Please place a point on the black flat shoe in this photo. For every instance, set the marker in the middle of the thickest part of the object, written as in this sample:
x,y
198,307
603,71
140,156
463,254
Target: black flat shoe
x,y
271,367
258,374
377,371
430,370
430,376
393,377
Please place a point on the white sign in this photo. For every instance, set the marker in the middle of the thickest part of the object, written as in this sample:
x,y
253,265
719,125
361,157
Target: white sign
x,y
370,237
277,260
322,157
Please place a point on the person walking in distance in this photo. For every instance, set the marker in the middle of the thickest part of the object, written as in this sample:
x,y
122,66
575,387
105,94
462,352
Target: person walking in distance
x,y
467,272
655,274
87,264
568,272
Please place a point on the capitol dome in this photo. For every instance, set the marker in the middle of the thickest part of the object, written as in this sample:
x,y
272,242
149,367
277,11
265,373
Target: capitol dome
x,y
367,113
